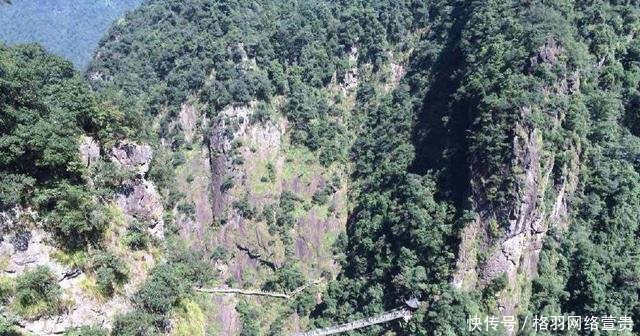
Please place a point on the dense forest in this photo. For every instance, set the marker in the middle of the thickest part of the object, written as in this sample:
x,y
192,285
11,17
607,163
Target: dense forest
x,y
482,157
71,29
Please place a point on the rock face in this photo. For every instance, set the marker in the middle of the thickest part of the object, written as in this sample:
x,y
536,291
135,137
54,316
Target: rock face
x,y
24,245
263,143
139,198
232,161
350,80
132,156
82,309
89,150
514,252
142,202
547,54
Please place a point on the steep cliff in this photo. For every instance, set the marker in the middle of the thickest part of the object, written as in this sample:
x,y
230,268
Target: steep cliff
x,y
264,168
72,190
256,133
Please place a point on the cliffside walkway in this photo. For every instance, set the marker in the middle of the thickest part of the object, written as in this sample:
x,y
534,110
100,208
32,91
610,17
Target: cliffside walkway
x,y
255,292
243,292
391,315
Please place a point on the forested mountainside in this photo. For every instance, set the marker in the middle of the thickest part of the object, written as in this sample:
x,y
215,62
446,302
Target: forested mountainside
x,y
71,29
342,156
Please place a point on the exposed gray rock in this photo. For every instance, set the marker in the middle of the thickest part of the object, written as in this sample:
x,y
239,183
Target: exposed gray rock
x,y
143,202
188,119
516,252
14,219
20,240
83,308
89,150
350,80
35,254
547,54
139,198
132,156
252,251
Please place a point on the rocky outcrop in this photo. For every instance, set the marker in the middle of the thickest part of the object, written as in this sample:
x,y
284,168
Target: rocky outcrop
x,y
25,245
548,53
396,71
489,250
138,197
350,80
515,252
232,123
82,308
188,120
132,156
243,161
89,150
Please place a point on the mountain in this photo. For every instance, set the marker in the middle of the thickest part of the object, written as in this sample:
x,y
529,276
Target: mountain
x,y
71,29
267,168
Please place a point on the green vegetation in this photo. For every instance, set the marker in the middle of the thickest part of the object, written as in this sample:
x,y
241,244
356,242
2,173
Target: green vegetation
x,y
190,320
168,285
137,323
44,110
137,237
7,329
7,288
591,269
37,294
86,331
235,52
489,89
445,135
68,29
250,319
110,272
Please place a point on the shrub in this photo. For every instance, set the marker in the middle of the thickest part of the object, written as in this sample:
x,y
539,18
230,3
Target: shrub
x,y
249,318
178,159
110,272
171,281
190,266
285,279
137,323
86,331
160,170
108,177
271,172
161,291
7,328
244,207
137,237
320,197
227,183
37,293
7,288
219,253
189,319
13,188
187,208
75,217
261,114
304,303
